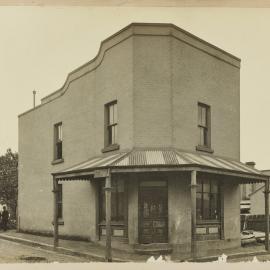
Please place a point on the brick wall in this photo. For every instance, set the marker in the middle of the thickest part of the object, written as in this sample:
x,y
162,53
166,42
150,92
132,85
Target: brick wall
x,y
170,78
200,77
81,111
157,80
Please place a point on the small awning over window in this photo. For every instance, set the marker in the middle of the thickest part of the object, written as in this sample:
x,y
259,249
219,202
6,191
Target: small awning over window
x,y
162,158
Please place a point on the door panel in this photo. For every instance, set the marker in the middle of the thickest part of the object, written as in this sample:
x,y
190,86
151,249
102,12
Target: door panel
x,y
153,214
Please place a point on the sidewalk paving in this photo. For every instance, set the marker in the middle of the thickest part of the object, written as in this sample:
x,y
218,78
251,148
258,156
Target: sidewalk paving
x,y
90,250
95,252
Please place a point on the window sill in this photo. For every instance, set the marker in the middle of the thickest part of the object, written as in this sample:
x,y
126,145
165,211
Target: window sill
x,y
208,222
57,161
60,222
204,149
113,223
111,147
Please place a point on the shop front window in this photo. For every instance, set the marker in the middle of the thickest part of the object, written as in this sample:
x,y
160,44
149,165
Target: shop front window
x,y
117,201
208,200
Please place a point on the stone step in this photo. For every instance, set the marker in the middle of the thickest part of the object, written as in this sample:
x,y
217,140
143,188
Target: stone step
x,y
153,249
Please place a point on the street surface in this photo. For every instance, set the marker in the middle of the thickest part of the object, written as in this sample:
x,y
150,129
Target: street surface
x,y
11,252
260,258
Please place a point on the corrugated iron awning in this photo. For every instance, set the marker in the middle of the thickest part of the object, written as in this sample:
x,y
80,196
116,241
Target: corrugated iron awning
x,y
146,158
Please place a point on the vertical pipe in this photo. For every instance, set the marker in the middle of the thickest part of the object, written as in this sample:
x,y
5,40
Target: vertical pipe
x,y
108,190
244,194
34,98
266,194
193,213
55,215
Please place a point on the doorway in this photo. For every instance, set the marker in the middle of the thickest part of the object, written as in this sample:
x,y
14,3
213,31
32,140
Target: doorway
x,y
153,212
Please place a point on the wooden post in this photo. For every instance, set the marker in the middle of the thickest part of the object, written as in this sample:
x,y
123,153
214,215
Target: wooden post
x,y
222,210
266,196
108,190
55,214
193,187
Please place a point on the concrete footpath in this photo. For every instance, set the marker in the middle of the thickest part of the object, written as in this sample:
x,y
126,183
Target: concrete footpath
x,y
95,252
92,251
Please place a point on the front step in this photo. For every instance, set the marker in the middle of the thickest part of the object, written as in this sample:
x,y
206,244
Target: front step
x,y
153,249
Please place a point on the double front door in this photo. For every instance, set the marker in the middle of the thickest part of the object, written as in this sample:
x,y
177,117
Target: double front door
x,y
153,209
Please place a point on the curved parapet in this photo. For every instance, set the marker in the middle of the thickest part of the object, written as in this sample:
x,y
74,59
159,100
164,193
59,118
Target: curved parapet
x,y
141,29
92,64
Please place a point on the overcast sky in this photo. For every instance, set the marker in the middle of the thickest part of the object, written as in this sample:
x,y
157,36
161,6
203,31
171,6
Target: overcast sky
x,y
39,46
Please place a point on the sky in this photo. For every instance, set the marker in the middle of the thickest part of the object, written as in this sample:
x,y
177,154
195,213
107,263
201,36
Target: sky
x,y
39,46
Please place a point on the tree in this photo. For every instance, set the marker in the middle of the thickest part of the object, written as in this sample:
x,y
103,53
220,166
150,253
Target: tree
x,y
9,181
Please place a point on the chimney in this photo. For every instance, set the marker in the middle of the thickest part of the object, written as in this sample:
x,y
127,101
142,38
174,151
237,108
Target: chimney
x,y
251,164
34,98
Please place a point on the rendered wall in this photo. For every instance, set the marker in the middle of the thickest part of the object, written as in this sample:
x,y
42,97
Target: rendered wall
x,y
79,211
133,213
231,211
179,213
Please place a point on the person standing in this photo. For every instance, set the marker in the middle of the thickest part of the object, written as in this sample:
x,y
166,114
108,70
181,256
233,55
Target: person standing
x,y
5,216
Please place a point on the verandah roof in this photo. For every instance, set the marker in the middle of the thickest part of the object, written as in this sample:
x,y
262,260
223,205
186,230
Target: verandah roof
x,y
161,158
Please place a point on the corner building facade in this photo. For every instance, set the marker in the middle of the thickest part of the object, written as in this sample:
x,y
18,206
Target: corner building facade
x,y
159,109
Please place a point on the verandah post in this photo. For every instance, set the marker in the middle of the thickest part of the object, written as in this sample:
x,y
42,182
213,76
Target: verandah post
x,y
55,214
193,187
108,190
266,196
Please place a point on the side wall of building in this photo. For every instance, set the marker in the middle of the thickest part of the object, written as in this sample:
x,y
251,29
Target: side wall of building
x,y
81,111
36,140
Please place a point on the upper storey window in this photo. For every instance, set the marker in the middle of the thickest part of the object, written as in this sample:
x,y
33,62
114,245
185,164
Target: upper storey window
x,y
58,143
204,127
111,127
112,123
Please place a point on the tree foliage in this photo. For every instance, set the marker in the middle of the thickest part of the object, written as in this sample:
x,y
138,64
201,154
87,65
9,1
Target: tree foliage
x,y
9,180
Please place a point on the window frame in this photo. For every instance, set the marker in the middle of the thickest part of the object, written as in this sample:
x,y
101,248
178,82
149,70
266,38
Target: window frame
x,y
111,144
205,128
58,143
119,225
219,201
102,201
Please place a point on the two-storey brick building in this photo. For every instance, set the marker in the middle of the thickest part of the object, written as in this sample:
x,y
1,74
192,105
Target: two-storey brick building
x,y
157,112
